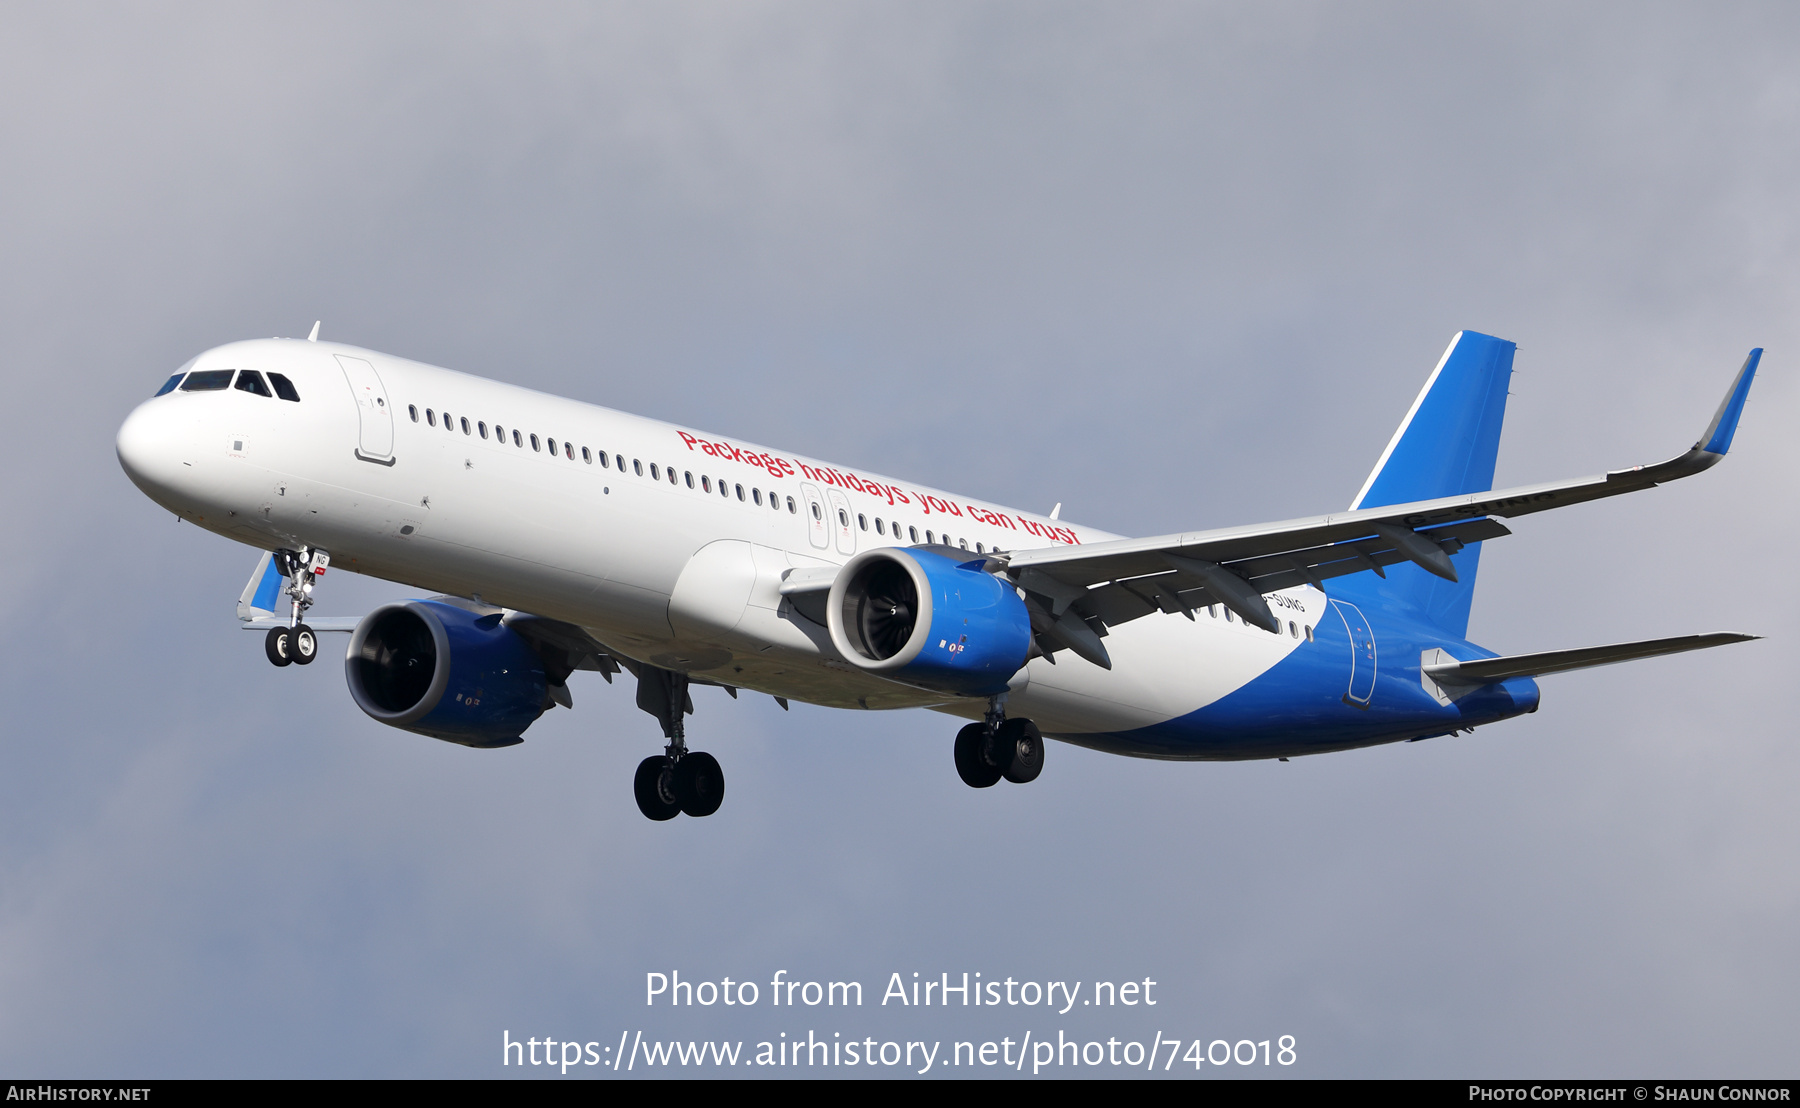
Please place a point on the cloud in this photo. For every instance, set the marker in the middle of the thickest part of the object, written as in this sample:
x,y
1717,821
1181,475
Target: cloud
x,y
1170,265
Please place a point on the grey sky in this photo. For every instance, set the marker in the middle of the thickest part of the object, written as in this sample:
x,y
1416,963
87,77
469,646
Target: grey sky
x,y
1171,265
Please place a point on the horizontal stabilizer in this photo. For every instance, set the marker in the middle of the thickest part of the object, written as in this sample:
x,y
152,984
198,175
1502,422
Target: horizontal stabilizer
x,y
1485,671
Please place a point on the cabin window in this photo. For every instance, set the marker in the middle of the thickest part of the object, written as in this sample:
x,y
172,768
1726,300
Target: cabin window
x,y
551,443
1293,631
816,513
169,387
534,444
756,497
465,424
880,528
673,479
430,418
448,422
655,473
913,533
1309,634
929,541
284,388
1228,618
604,461
862,521
705,483
688,476
569,450
620,458
248,380
481,425
843,518
518,441
740,491
979,549
964,543
587,457
413,410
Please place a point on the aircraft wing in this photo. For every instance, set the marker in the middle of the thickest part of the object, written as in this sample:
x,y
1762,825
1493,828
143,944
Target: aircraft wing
x,y
564,647
1107,583
317,623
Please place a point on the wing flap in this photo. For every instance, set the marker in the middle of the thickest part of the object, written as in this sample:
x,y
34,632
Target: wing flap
x,y
563,647
1132,597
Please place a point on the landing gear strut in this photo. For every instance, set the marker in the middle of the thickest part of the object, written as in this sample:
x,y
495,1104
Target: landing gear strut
x,y
296,644
999,747
678,780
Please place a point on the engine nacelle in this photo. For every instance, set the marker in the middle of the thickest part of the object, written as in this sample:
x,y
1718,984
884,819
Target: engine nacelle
x,y
439,670
930,621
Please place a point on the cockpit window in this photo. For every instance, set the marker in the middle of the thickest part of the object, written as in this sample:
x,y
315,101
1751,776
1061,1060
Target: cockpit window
x,y
169,385
207,380
248,380
284,388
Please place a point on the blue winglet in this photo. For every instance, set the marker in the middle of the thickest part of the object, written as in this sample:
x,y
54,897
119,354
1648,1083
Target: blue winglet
x,y
268,590
1717,439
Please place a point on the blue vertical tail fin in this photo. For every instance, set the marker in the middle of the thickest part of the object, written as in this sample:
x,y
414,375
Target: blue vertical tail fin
x,y
1445,446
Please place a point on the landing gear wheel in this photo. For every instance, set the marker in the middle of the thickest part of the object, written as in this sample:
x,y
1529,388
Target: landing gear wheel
x,y
655,797
303,645
975,770
1021,739
699,784
276,646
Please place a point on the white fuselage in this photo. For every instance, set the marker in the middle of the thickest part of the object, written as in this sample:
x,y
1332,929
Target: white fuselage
x,y
666,543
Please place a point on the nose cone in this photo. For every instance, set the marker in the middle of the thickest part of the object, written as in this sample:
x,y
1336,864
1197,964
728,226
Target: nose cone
x,y
149,451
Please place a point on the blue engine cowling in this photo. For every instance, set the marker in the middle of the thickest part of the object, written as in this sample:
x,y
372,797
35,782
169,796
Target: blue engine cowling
x,y
439,670
930,621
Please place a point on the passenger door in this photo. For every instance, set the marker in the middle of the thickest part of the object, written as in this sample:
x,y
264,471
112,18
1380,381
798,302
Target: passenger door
x,y
376,431
841,522
1362,654
815,515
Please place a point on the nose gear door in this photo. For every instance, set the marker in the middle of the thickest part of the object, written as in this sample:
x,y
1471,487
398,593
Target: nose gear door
x,y
376,434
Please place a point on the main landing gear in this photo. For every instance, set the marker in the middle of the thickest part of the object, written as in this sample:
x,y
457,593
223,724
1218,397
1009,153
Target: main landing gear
x,y
999,747
296,644
678,780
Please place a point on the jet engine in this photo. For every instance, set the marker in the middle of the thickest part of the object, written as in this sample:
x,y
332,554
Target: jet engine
x,y
928,620
437,669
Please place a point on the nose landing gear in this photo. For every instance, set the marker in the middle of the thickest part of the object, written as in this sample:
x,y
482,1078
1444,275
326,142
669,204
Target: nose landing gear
x,y
297,644
678,780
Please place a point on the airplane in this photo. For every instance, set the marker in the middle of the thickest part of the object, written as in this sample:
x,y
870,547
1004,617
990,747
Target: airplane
x,y
560,536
